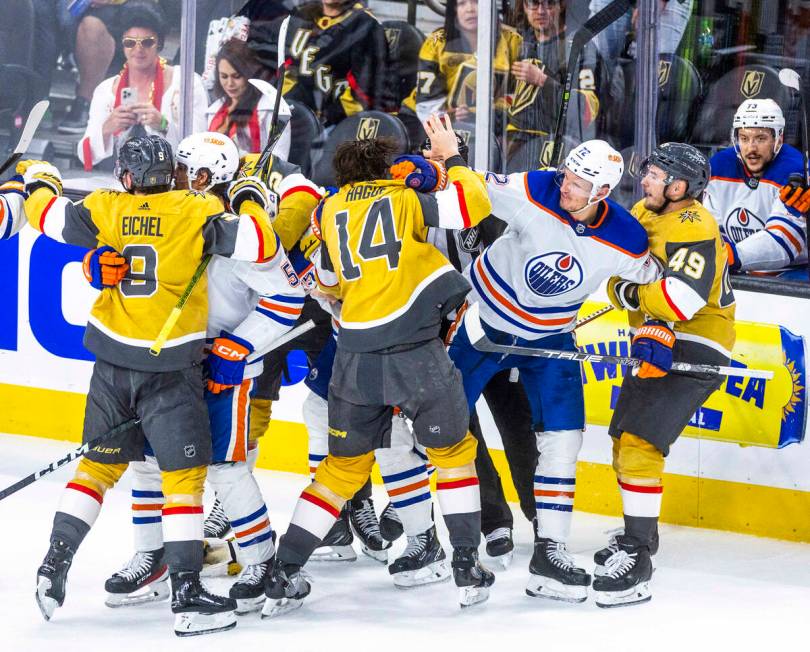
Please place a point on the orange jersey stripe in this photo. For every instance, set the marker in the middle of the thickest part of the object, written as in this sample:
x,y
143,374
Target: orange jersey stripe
x,y
279,308
147,508
554,494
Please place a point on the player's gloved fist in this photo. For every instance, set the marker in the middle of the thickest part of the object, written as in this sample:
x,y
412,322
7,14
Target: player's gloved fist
x,y
734,263
226,362
626,295
104,267
652,344
37,174
796,193
252,189
308,243
15,184
419,173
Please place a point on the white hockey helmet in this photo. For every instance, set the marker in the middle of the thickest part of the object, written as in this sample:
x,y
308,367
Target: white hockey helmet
x,y
596,161
211,151
765,114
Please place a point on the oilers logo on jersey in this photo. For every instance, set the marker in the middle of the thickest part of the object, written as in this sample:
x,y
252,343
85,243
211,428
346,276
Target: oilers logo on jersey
x,y
741,223
553,273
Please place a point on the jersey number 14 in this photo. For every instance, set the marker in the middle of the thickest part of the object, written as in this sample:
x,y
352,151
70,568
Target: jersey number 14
x,y
387,246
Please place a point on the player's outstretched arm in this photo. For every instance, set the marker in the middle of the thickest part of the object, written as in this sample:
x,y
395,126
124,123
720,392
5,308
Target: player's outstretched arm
x,y
12,207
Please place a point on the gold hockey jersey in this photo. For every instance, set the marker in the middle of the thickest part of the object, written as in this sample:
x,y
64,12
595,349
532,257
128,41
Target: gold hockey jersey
x,y
164,237
395,287
695,292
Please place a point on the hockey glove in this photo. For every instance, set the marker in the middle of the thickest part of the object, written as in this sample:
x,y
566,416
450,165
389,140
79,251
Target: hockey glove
x,y
226,362
734,263
652,344
624,295
796,194
104,267
252,189
308,243
419,173
14,185
38,174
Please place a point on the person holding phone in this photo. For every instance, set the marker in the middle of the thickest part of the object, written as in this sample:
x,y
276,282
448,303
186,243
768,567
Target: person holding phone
x,y
144,98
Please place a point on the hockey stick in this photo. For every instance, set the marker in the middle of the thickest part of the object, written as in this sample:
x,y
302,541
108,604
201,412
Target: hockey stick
x,y
275,131
472,322
174,315
291,334
582,37
587,319
30,128
81,450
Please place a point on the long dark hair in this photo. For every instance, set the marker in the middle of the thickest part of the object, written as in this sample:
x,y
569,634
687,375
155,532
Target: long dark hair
x,y
242,59
451,30
363,160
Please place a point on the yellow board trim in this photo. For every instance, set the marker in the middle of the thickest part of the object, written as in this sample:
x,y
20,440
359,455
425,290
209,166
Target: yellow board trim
x,y
697,502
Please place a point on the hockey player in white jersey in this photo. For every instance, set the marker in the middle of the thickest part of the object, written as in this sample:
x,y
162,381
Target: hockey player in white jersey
x,y
761,232
564,237
250,305
12,211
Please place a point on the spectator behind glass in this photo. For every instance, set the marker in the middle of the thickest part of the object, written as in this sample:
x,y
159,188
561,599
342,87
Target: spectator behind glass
x,y
241,111
540,73
447,64
145,96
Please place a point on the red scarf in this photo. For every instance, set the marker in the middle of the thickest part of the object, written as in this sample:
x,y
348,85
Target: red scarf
x,y
156,94
221,117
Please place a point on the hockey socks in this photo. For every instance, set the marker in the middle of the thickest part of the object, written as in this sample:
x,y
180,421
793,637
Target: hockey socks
x,y
555,482
315,513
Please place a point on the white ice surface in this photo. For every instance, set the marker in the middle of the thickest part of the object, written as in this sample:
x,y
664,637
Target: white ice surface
x,y
711,590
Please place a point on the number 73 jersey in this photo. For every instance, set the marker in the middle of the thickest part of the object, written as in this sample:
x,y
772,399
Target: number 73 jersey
x,y
695,292
395,287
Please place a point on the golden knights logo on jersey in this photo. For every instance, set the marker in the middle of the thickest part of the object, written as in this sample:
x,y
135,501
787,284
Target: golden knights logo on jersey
x,y
367,129
752,83
664,70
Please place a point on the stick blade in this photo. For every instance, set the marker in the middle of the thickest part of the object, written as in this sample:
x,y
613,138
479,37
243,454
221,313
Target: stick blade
x,y
282,39
34,118
790,78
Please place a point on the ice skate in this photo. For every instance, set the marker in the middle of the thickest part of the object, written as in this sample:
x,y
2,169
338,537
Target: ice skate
x,y
196,610
144,579
472,579
248,590
601,556
364,522
286,588
337,544
500,546
625,579
554,575
216,525
52,577
390,524
423,562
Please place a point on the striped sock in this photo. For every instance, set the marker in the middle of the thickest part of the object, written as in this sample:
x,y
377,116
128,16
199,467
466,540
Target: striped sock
x,y
554,500
409,491
81,500
314,461
312,519
147,521
183,535
460,502
642,506
254,536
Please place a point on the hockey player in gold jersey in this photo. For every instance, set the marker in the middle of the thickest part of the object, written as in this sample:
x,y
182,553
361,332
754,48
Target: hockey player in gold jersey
x,y
162,235
687,315
391,290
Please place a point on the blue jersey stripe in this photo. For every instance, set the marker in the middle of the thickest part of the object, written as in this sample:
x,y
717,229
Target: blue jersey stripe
x,y
145,520
555,507
547,480
137,493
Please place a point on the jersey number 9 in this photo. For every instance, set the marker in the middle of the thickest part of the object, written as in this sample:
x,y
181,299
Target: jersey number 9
x,y
141,280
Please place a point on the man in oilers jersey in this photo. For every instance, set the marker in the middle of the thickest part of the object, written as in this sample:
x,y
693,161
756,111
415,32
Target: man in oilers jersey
x,y
393,288
762,232
249,305
687,315
563,238
12,209
150,239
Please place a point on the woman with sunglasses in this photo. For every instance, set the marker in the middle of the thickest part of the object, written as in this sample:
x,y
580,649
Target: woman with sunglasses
x,y
144,98
241,111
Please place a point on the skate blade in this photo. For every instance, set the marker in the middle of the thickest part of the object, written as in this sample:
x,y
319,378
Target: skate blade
x,y
505,560
46,604
377,555
197,624
546,587
637,595
249,605
154,592
334,553
472,595
430,574
275,608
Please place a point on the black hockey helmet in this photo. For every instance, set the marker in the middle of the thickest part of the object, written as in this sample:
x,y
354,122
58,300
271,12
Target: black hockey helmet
x,y
463,149
680,161
149,159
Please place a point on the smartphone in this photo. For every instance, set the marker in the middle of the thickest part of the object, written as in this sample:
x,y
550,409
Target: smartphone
x,y
129,96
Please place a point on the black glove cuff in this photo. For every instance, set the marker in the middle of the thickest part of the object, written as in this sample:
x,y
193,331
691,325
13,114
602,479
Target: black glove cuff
x,y
453,161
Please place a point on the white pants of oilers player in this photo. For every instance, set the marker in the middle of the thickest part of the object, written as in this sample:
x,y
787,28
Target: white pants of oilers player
x,y
399,461
237,490
555,482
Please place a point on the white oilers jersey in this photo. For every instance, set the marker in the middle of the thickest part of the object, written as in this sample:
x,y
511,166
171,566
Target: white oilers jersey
x,y
12,211
768,234
532,280
254,301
